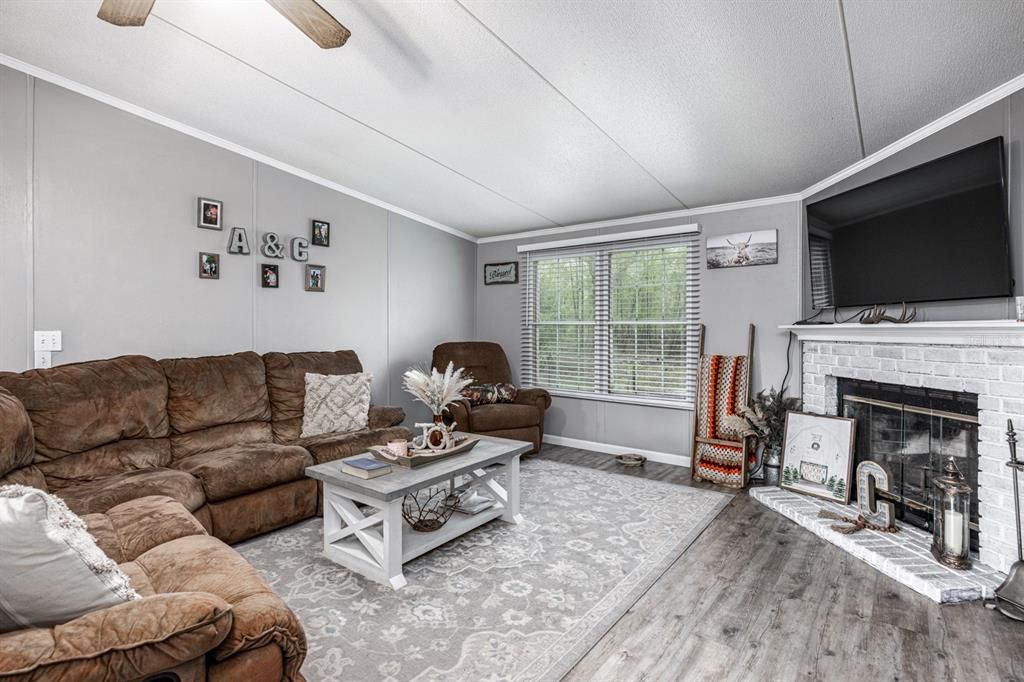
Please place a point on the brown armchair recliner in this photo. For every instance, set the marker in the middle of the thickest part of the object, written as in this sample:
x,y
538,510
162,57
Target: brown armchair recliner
x,y
487,363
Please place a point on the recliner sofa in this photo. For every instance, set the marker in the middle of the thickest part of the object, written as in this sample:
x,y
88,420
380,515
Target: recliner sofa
x,y
487,363
157,457
221,435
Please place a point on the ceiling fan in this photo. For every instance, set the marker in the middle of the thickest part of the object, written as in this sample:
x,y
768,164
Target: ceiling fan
x,y
306,15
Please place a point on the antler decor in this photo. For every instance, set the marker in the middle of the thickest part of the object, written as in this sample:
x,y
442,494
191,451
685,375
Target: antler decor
x,y
879,313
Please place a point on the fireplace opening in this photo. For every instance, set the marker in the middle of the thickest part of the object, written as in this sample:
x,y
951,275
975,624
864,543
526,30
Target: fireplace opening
x,y
913,430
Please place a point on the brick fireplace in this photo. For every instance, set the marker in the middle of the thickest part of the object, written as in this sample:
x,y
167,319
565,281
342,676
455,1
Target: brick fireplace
x,y
983,359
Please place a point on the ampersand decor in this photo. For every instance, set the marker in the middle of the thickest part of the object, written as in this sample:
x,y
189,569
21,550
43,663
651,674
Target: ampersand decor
x,y
272,246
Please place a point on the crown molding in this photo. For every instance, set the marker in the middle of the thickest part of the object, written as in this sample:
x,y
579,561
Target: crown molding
x,y
974,106
117,103
646,218
991,97
960,113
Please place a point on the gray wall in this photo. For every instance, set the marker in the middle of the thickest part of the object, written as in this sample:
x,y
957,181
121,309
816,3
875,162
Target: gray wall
x,y
767,295
97,220
1005,118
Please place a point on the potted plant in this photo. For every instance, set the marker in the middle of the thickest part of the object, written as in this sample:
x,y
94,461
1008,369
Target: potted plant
x,y
765,420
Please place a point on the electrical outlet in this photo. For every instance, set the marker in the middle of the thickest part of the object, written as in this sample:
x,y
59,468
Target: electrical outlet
x,y
48,340
44,359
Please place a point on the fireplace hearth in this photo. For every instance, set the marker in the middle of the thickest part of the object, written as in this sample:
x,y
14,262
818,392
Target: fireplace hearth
x,y
913,430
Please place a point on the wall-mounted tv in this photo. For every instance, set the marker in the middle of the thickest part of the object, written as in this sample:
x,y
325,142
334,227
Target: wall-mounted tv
x,y
934,232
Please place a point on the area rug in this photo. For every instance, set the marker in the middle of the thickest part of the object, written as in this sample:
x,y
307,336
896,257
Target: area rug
x,y
503,602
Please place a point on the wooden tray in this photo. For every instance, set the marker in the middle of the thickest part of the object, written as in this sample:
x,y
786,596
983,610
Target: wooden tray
x,y
420,457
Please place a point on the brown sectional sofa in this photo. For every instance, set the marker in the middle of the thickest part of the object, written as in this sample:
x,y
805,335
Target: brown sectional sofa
x,y
221,435
158,456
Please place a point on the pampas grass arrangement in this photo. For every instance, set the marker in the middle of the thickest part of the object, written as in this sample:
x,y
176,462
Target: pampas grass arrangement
x,y
436,390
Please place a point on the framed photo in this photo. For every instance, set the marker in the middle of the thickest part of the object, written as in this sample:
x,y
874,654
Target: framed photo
x,y
817,455
501,273
209,265
210,214
316,276
755,247
268,276
321,233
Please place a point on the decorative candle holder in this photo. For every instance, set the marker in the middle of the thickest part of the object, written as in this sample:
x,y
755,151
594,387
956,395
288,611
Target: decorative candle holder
x,y
951,506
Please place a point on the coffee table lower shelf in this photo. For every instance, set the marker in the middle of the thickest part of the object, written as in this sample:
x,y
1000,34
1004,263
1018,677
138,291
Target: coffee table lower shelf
x,y
375,540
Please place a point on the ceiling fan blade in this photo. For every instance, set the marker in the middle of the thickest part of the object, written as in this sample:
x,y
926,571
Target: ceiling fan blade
x,y
125,12
313,20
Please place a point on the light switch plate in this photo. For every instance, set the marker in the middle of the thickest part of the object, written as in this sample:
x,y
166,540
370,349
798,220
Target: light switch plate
x,y
48,340
44,359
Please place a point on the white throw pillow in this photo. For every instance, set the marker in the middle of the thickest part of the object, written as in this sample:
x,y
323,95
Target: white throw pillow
x,y
336,403
51,570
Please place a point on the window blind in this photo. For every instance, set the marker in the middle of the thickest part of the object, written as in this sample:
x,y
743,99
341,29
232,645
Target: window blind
x,y
616,320
821,272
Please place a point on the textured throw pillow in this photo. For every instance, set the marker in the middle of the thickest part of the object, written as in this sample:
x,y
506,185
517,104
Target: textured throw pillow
x,y
336,403
488,394
51,570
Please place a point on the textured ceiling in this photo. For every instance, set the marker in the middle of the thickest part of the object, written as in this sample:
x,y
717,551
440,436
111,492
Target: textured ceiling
x,y
495,116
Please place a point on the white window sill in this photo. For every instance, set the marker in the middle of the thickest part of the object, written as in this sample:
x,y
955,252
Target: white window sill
x,y
626,399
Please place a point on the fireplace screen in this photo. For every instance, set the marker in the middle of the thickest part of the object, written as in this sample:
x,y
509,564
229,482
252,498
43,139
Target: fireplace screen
x,y
913,431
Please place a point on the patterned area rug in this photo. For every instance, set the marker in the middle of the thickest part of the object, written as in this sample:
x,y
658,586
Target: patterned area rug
x,y
503,602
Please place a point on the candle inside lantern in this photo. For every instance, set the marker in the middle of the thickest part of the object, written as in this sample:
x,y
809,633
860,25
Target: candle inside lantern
x,y
952,532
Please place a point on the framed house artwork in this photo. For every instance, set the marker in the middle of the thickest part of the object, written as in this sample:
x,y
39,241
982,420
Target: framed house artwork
x,y
209,265
501,273
321,233
210,215
316,276
754,247
817,455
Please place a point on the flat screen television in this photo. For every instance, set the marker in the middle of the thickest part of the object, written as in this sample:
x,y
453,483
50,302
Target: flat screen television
x,y
934,232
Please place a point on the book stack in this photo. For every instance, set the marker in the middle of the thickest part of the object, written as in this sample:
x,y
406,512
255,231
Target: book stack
x,y
365,467
472,502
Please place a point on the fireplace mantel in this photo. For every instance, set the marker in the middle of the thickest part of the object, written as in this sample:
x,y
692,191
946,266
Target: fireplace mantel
x,y
1000,333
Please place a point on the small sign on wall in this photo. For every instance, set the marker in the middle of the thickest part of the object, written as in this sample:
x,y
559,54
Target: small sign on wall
x,y
501,273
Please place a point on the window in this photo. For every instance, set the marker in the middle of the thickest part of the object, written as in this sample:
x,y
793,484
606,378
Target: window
x,y
821,272
615,320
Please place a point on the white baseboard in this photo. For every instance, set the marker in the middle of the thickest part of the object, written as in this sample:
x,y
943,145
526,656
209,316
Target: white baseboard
x,y
653,455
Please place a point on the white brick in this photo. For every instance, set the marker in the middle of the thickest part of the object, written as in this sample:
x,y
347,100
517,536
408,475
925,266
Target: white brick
x,y
865,362
894,352
915,366
1013,406
1013,374
993,418
914,353
944,383
1011,390
976,386
989,402
976,371
1006,357
973,355
943,354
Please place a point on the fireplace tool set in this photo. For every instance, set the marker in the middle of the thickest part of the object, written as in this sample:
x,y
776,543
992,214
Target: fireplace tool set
x,y
1010,595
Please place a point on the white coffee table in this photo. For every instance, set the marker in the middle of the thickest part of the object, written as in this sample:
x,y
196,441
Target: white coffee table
x,y
377,544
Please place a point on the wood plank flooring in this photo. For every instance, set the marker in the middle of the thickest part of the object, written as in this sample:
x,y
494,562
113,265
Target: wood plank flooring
x,y
757,597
